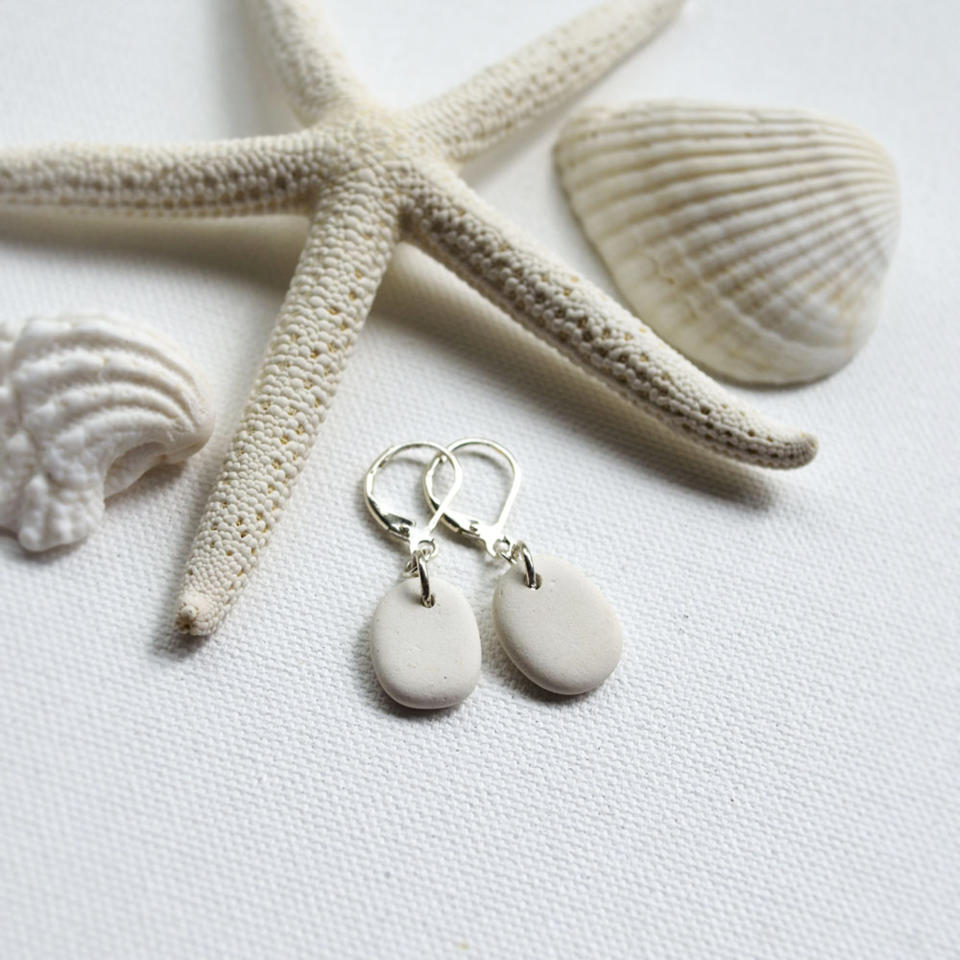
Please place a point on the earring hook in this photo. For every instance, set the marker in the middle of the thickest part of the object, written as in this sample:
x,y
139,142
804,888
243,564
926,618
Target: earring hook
x,y
489,534
403,527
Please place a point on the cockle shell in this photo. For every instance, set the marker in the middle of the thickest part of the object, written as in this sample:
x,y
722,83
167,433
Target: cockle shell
x,y
88,404
754,240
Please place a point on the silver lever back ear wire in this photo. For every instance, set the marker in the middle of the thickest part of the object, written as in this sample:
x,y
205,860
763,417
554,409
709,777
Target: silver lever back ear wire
x,y
555,625
418,536
491,535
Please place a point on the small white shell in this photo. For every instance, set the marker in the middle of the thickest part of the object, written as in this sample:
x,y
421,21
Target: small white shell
x,y
88,404
755,241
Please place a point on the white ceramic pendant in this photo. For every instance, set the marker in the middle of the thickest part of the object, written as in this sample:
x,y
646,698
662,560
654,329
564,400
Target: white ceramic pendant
x,y
564,635
425,657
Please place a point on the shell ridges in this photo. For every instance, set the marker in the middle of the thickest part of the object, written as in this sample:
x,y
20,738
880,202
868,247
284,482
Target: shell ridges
x,y
88,404
754,240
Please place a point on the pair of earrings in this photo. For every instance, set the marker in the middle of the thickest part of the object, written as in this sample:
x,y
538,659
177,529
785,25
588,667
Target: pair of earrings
x,y
555,625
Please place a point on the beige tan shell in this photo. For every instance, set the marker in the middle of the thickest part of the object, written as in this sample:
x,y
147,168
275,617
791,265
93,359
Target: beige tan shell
x,y
88,404
754,240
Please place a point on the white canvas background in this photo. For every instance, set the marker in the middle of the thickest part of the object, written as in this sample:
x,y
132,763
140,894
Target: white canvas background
x,y
773,771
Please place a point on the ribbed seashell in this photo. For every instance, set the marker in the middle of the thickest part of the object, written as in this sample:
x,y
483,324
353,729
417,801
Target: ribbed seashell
x,y
754,240
88,404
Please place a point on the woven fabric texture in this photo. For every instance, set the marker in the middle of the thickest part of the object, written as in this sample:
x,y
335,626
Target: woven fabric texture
x,y
773,770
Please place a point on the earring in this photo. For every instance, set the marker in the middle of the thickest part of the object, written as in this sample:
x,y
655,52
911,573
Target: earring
x,y
555,625
424,640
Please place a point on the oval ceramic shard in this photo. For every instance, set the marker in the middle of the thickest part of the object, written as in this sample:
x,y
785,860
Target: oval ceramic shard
x,y
564,635
754,240
425,657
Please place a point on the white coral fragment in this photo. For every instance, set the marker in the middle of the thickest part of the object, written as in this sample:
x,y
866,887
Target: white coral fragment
x,y
88,404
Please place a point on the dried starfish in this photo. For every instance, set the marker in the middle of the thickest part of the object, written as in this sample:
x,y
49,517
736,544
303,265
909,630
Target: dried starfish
x,y
368,177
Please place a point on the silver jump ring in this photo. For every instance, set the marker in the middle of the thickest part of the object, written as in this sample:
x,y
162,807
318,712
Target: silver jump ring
x,y
512,553
426,595
529,571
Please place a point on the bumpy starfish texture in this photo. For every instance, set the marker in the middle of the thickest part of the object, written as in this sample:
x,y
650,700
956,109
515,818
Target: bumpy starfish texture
x,y
368,178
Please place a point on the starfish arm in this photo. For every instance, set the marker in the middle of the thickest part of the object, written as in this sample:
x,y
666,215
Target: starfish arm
x,y
215,179
489,106
452,224
349,244
311,66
